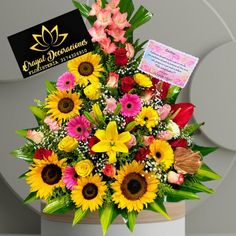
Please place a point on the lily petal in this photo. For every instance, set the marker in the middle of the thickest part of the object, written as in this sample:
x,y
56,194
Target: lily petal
x,y
124,137
120,147
111,131
112,156
102,146
100,134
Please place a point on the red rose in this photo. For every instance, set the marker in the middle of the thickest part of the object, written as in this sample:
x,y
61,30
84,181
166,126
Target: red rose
x,y
121,58
109,170
142,153
42,153
127,84
92,141
179,143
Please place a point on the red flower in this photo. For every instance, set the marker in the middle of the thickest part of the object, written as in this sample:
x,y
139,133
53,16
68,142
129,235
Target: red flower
x,y
121,58
142,153
184,112
179,143
127,84
92,141
42,153
109,170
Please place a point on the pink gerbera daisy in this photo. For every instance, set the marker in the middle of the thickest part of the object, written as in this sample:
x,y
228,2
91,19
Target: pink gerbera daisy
x,y
131,105
67,81
70,177
79,128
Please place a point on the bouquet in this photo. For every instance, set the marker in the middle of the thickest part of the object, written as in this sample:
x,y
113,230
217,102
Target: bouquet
x,y
111,138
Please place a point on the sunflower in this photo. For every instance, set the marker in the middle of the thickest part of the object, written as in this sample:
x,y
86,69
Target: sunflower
x,y
86,68
134,188
46,175
89,193
148,117
63,105
162,152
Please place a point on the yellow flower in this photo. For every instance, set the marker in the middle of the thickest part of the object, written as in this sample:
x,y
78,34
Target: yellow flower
x,y
86,68
93,91
89,193
134,188
111,142
143,80
68,144
46,175
97,113
84,168
162,152
148,117
63,105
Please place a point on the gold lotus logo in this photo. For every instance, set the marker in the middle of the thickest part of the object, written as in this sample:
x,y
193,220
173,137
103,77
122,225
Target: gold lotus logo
x,y
48,39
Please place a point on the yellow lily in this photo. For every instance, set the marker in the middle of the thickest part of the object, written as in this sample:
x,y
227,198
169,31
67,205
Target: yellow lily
x,y
111,142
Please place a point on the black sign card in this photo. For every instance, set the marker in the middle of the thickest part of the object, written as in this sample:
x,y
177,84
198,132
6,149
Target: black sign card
x,y
51,43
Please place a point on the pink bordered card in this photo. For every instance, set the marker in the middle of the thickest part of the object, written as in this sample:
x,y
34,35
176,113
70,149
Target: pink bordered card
x,y
167,64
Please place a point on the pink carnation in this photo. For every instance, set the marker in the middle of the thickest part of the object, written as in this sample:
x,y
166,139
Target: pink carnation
x,y
53,125
111,105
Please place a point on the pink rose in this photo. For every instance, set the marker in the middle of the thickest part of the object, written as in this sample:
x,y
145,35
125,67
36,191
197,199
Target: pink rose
x,y
35,136
103,18
147,140
164,111
132,142
52,124
107,46
97,33
130,50
120,20
174,178
112,81
109,170
111,105
165,135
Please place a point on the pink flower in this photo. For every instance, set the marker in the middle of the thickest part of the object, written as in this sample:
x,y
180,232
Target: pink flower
x,y
53,125
120,20
132,142
131,105
109,170
117,33
165,135
79,128
113,6
164,111
35,136
147,140
70,177
67,81
103,18
97,33
111,105
113,80
130,50
96,8
107,46
174,178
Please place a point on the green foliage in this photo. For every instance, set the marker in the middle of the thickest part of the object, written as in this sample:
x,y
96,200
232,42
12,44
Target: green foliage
x,y
79,215
39,114
192,128
164,189
205,173
130,126
203,150
25,153
158,206
196,187
127,6
56,205
117,110
173,94
139,46
130,219
179,195
31,197
24,175
50,86
22,132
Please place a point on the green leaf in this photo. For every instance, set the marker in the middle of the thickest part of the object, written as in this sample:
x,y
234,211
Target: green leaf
x,y
141,17
90,118
196,187
24,175
179,195
104,3
127,6
31,197
117,110
139,47
129,219
203,150
50,86
192,128
158,206
25,153
84,10
22,132
79,215
56,205
205,173
38,113
130,126
173,94
107,214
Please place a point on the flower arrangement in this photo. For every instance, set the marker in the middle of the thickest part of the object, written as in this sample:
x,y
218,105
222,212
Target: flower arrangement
x,y
110,138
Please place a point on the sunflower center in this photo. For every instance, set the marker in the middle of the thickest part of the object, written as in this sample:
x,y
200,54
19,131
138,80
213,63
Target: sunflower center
x,y
158,155
145,119
129,105
86,68
90,191
51,174
66,105
134,186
